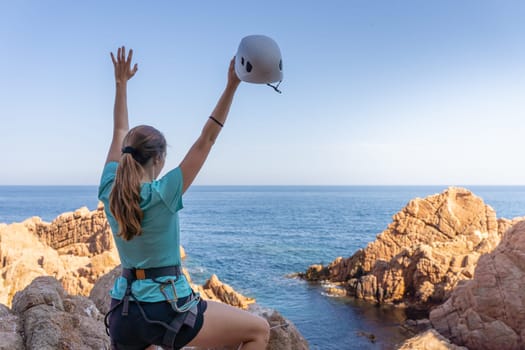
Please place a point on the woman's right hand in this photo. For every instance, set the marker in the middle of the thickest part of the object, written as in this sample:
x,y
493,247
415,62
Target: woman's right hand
x,y
123,70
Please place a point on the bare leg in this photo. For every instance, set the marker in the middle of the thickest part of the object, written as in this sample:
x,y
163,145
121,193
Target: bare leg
x,y
227,325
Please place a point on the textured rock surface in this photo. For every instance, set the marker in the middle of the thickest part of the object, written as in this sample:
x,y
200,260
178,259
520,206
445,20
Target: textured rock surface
x,y
429,340
488,312
49,318
214,289
287,337
430,246
10,331
76,248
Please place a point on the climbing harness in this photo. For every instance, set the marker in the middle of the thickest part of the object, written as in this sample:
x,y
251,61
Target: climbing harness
x,y
186,313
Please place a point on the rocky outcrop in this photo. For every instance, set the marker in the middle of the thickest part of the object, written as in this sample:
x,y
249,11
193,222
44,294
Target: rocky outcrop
x,y
216,290
44,316
488,312
76,248
431,245
82,233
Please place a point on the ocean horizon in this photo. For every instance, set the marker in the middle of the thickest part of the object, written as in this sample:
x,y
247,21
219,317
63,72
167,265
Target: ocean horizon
x,y
254,237
52,200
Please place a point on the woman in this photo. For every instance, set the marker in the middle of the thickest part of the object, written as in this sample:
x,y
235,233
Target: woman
x,y
143,215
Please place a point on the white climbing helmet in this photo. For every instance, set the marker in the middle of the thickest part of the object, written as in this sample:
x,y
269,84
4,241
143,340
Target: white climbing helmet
x,y
258,60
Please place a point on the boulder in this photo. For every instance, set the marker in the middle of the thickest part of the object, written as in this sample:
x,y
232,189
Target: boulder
x,y
488,312
52,319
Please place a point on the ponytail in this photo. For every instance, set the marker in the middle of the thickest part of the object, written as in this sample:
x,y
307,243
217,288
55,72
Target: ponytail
x,y
124,201
141,143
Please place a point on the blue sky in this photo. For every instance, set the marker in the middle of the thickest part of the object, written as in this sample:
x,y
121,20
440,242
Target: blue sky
x,y
374,92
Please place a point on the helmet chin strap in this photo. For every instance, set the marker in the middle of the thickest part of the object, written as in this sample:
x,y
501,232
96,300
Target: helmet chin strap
x,y
275,87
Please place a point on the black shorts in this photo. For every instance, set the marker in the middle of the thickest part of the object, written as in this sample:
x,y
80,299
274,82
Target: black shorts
x,y
133,332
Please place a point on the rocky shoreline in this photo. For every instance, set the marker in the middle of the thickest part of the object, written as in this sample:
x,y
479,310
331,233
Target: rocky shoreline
x,y
449,256
55,280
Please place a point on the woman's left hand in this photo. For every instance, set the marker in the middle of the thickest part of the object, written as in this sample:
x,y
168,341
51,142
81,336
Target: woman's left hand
x,y
233,79
123,70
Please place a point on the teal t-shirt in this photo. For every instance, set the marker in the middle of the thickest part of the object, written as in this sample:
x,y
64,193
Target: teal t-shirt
x,y
158,245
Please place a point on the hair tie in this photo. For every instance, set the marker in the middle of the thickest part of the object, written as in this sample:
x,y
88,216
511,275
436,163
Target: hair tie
x,y
130,150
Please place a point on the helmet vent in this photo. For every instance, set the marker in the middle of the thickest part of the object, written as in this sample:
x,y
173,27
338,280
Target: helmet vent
x,y
242,61
248,66
281,65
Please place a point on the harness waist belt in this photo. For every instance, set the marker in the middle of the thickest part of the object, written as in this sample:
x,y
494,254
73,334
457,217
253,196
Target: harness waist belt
x,y
155,272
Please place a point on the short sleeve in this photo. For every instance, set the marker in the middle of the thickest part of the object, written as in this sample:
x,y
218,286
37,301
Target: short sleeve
x,y
106,180
170,189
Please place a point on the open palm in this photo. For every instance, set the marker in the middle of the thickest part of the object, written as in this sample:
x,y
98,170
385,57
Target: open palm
x,y
123,70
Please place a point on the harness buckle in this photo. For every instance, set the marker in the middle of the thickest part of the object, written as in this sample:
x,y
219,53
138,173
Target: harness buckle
x,y
140,274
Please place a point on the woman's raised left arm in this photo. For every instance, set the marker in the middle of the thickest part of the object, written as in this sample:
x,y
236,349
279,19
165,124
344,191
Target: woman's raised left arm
x,y
123,72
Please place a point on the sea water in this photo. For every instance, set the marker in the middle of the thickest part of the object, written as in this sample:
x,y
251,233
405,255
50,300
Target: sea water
x,y
254,237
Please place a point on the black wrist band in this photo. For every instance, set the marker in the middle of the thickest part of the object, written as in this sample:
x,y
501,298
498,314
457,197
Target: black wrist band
x,y
216,121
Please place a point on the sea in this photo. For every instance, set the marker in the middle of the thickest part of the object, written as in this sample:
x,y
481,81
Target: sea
x,y
255,237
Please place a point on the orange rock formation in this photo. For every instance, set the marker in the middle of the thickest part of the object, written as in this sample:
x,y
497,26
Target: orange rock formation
x,y
430,246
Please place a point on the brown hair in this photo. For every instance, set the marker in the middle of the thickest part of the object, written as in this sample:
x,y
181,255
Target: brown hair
x,y
141,144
